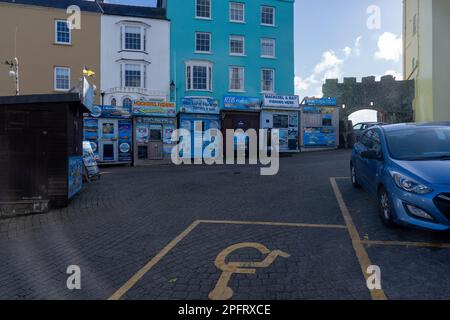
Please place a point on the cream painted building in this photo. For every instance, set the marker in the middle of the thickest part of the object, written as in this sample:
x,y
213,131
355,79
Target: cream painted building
x,y
51,55
426,34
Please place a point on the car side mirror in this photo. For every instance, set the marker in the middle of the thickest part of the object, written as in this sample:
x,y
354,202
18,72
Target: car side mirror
x,y
371,154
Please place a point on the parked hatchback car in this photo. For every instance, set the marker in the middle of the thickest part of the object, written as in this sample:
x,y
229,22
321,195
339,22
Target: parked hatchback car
x,y
407,167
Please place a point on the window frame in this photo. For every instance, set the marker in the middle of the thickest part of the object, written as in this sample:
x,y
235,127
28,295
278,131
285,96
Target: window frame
x,y
243,45
210,42
56,32
189,65
273,16
230,79
200,17
55,78
243,12
274,48
143,34
262,80
143,74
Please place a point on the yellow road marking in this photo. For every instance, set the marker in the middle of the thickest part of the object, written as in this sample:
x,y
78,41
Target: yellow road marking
x,y
361,253
276,224
138,275
222,291
436,245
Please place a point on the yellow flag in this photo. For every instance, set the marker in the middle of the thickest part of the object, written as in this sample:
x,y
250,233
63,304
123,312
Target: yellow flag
x,y
88,73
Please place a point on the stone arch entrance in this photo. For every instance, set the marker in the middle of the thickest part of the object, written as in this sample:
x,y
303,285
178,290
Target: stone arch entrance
x,y
392,99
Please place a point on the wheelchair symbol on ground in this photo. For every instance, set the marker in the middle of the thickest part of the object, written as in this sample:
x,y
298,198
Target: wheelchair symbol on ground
x,y
222,291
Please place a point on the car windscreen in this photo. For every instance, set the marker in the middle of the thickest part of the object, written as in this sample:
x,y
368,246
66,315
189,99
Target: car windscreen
x,y
420,143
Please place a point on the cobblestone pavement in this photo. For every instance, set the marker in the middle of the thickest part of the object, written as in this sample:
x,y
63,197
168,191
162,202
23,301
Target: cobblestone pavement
x,y
133,217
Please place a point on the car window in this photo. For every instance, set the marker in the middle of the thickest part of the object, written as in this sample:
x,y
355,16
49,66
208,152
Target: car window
x,y
371,140
358,126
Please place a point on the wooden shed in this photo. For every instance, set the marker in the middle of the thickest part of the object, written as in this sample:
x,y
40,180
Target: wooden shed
x,y
40,151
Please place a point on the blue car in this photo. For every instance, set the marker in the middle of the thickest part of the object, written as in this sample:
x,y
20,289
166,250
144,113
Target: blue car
x,y
407,167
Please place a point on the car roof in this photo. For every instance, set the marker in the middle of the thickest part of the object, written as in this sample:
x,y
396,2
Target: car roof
x,y
417,125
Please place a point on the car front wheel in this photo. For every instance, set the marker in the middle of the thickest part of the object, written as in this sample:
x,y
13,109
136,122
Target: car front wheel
x,y
385,208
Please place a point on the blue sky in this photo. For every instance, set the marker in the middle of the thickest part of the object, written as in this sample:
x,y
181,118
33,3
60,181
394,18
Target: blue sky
x,y
332,39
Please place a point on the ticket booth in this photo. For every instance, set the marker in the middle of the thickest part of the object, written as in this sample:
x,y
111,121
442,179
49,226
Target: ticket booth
x,y
198,115
320,124
154,122
41,152
240,112
109,130
282,112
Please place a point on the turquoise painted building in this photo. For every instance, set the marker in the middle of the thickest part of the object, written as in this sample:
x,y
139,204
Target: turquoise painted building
x,y
231,48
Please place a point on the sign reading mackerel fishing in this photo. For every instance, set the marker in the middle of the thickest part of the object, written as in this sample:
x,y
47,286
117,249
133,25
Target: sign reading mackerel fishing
x,y
154,108
281,101
200,105
241,103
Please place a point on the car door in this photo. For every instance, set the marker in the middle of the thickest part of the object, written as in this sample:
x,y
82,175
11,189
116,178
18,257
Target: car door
x,y
372,167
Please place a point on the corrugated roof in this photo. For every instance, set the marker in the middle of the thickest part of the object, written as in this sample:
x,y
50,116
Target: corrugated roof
x,y
92,6
89,6
134,11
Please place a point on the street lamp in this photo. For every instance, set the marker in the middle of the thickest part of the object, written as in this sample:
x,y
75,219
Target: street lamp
x,y
103,97
14,72
172,89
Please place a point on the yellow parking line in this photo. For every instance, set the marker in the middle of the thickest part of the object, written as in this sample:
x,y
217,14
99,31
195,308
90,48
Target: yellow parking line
x,y
138,275
361,253
436,245
275,224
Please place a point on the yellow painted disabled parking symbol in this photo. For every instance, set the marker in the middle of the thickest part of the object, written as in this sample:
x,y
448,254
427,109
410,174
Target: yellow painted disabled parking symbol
x,y
222,291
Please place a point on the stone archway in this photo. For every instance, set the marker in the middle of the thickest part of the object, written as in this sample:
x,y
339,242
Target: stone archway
x,y
392,99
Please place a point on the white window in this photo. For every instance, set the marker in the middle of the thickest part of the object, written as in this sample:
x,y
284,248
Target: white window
x,y
268,48
113,102
237,79
62,32
133,38
62,79
133,75
268,80
237,45
237,12
203,42
199,76
267,16
203,9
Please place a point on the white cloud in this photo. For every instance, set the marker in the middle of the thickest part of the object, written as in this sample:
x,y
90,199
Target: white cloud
x,y
329,67
397,75
347,51
390,47
355,50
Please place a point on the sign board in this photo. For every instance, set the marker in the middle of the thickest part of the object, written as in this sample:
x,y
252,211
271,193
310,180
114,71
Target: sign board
x,y
75,176
89,161
241,103
281,101
154,108
320,102
110,112
200,105
88,94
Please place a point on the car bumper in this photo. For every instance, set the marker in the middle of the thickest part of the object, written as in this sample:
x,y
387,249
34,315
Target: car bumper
x,y
400,199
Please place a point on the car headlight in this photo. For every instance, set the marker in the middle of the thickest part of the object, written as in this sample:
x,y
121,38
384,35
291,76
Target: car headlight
x,y
409,185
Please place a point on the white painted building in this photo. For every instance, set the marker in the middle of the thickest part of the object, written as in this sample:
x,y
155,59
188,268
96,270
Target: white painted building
x,y
135,54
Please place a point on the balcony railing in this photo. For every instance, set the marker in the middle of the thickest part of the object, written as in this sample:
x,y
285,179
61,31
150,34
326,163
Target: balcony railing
x,y
141,91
